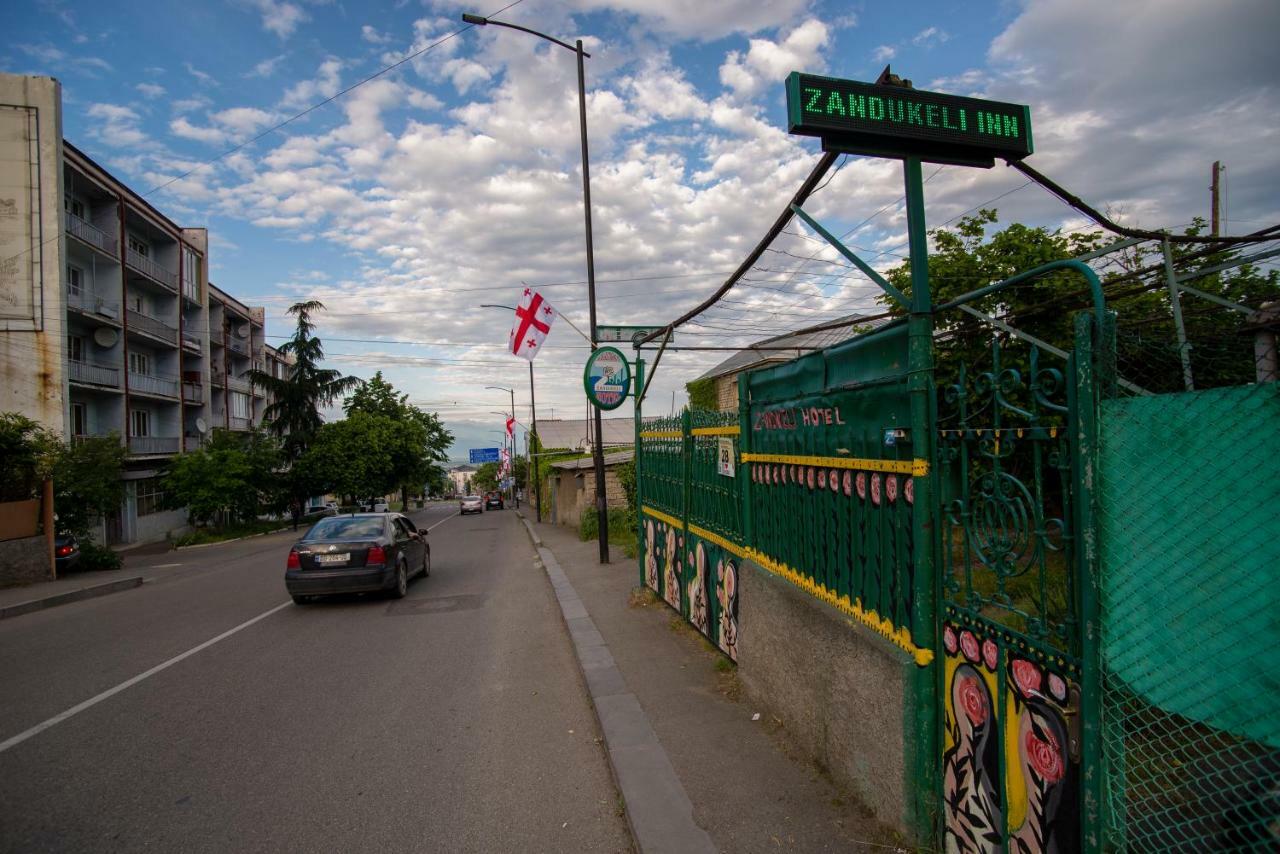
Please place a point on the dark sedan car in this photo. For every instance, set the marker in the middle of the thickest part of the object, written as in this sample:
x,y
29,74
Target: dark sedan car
x,y
493,500
362,552
66,553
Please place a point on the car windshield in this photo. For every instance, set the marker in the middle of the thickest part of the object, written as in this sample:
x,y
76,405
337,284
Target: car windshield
x,y
346,528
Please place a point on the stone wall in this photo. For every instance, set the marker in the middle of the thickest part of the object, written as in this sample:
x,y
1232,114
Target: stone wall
x,y
575,493
24,561
840,691
727,393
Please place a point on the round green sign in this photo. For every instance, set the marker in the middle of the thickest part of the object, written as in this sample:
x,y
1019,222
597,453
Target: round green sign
x,y
607,378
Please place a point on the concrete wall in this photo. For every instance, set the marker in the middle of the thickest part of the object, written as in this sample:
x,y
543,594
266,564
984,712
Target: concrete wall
x,y
155,527
840,691
24,561
32,302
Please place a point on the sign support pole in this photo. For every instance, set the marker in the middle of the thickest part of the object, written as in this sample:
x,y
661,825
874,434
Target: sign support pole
x,y
923,528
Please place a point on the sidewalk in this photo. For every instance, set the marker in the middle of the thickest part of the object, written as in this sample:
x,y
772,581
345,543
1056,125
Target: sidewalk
x,y
74,586
748,793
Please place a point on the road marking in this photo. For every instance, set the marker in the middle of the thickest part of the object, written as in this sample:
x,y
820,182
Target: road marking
x,y
164,565
441,522
129,683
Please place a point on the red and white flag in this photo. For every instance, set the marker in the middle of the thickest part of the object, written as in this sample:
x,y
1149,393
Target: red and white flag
x,y
511,427
534,317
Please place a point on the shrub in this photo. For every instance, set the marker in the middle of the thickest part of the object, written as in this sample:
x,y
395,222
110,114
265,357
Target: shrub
x,y
95,557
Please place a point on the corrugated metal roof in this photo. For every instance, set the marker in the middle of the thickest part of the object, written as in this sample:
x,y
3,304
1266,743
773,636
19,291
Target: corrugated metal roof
x,y
615,458
804,342
575,433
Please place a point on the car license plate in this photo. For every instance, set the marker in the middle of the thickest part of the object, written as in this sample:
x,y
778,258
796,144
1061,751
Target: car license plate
x,y
328,559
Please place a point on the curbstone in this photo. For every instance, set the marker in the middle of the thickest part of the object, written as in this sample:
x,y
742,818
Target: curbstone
x,y
20,608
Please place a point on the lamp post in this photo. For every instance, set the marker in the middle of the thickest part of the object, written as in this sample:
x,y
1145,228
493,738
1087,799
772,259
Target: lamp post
x,y
597,450
514,495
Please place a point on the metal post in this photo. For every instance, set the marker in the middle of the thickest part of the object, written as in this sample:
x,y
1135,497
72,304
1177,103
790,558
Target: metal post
x,y
924,740
602,506
639,464
1175,305
1214,197
533,461
515,492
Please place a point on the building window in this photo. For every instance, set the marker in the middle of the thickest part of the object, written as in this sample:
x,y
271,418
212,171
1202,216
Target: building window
x,y
138,303
139,363
75,280
73,206
139,423
239,405
150,496
75,348
138,246
79,420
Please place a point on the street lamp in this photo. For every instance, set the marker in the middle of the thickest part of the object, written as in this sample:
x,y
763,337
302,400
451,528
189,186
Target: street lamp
x,y
514,495
597,450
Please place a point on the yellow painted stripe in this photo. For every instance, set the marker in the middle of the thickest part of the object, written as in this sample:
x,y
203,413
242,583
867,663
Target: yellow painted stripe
x,y
663,517
918,467
716,431
900,636
661,434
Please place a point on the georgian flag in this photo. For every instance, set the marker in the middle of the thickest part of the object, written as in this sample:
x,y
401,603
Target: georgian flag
x,y
511,427
534,316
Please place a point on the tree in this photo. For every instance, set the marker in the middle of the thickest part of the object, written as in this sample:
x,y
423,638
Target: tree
x,y
425,443
27,454
294,412
87,482
485,477
233,477
359,456
702,394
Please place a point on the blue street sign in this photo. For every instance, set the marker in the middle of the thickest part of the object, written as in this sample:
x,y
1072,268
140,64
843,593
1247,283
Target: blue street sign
x,y
484,455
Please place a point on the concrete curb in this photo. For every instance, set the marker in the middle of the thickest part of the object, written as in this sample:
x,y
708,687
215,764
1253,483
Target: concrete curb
x,y
658,809
20,608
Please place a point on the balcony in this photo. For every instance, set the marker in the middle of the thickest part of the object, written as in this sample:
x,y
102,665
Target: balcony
x,y
192,393
191,341
92,235
239,384
152,270
147,384
145,445
88,302
81,438
217,375
239,345
240,423
139,322
88,373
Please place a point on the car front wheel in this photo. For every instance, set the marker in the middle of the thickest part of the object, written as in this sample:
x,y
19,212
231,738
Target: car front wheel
x,y
426,563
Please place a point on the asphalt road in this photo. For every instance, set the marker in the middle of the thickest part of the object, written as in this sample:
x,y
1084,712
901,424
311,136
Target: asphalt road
x,y
452,720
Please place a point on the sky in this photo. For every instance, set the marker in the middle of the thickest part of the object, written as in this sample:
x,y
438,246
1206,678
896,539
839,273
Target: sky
x,y
408,202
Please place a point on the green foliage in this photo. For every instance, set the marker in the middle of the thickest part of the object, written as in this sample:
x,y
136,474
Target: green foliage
x,y
236,530
484,478
362,455
425,439
233,478
28,452
622,528
627,480
87,482
702,394
96,557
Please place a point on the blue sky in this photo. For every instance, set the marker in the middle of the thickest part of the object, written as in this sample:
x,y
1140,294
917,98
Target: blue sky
x,y
411,200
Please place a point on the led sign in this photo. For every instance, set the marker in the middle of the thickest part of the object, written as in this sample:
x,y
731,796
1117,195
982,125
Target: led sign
x,y
893,121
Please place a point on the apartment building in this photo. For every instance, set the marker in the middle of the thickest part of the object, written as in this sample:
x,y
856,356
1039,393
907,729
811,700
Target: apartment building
x,y
107,320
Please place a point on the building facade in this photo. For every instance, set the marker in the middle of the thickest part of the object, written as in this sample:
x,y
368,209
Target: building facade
x,y
108,323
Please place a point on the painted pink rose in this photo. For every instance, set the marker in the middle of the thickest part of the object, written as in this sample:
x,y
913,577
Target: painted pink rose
x,y
834,480
1027,676
973,701
822,478
891,488
969,646
755,473
909,490
1045,756
848,483
1057,687
875,489
861,482
990,654
809,475
949,640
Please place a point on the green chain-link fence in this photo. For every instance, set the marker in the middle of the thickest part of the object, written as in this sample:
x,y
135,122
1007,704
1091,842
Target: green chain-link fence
x,y
1189,522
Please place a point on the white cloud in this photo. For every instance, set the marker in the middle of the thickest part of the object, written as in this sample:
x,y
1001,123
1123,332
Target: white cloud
x,y
929,37
371,35
243,121
118,125
884,53
185,129
701,20
768,63
203,77
186,105
307,92
267,67
280,18
150,90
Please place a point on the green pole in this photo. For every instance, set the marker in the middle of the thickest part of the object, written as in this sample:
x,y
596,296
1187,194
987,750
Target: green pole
x,y
925,735
745,529
639,387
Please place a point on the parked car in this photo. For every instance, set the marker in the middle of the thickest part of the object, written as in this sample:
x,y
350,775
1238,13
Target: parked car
x,y
470,504
493,501
66,552
375,505
362,552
